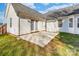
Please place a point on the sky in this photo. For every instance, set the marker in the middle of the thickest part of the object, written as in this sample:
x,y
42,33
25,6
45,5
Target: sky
x,y
40,7
2,11
45,7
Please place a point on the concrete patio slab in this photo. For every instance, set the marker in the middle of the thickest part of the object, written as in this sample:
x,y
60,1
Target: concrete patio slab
x,y
41,38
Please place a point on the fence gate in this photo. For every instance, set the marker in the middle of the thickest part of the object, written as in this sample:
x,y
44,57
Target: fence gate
x,y
3,29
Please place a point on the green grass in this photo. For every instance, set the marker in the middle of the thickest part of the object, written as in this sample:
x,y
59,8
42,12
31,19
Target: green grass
x,y
64,44
72,39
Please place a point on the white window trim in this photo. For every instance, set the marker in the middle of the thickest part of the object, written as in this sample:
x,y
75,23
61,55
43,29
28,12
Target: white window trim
x,y
61,22
69,23
77,22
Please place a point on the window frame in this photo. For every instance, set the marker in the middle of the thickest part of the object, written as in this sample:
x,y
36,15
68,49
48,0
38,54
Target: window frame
x,y
10,22
60,24
70,22
77,22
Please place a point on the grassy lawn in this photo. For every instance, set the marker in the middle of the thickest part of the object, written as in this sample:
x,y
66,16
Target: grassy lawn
x,y
64,44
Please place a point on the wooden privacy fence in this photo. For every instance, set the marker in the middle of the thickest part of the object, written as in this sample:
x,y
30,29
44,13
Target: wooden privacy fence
x,y
3,29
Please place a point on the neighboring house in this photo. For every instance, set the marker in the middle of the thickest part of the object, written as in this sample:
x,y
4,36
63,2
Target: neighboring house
x,y
68,18
23,20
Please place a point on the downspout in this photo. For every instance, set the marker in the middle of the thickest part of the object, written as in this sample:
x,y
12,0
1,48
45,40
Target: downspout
x,y
75,23
18,25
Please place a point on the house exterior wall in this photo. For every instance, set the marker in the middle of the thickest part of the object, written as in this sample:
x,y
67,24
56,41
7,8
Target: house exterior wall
x,y
52,26
36,25
41,25
76,30
25,26
65,27
12,14
71,30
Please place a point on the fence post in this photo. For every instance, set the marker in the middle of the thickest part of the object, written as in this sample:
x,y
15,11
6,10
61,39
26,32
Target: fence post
x,y
2,29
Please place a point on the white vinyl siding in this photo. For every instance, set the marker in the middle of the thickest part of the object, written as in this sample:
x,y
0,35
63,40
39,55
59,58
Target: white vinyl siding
x,y
12,21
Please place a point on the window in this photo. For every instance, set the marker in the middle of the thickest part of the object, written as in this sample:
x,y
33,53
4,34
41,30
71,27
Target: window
x,y
59,23
71,22
78,22
10,22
